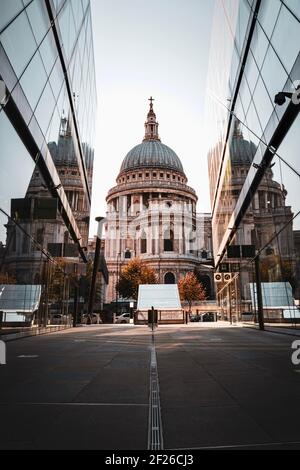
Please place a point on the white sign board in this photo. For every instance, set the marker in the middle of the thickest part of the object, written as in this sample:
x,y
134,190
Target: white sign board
x,y
274,294
20,298
158,296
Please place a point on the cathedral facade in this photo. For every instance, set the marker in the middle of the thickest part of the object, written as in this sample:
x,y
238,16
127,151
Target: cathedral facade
x,y
151,214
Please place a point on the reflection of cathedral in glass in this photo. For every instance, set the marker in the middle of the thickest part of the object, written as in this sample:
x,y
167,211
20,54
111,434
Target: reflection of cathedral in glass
x,y
267,222
47,126
66,164
268,211
253,154
37,213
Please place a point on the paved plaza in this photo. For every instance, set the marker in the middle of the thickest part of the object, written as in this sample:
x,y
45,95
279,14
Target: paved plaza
x,y
91,388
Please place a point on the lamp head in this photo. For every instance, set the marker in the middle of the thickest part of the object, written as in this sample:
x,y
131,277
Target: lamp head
x,y
100,221
279,98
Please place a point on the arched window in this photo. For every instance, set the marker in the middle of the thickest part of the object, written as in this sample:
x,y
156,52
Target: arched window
x,y
192,241
40,236
66,237
25,243
168,240
204,279
169,278
13,239
127,254
143,242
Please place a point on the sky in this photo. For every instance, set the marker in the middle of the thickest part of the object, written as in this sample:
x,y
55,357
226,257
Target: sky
x,y
156,48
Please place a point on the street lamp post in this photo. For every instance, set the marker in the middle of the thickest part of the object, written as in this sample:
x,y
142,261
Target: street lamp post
x,y
100,221
260,311
117,280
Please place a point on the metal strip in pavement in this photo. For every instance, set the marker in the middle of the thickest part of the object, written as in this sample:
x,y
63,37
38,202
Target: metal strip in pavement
x,y
71,404
28,356
155,433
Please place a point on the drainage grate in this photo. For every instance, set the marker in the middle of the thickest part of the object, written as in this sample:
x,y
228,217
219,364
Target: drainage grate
x,y
155,436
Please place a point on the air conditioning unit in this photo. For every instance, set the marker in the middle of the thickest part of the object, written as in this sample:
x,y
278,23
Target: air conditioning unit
x,y
227,276
218,277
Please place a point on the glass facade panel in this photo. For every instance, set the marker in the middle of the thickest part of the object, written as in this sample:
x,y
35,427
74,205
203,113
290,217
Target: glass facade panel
x,y
13,155
289,149
263,103
252,73
77,13
9,9
259,45
19,47
56,78
35,72
257,203
48,52
253,121
242,23
57,5
289,182
244,95
45,198
273,82
39,19
286,30
67,29
267,15
84,4
294,6
45,108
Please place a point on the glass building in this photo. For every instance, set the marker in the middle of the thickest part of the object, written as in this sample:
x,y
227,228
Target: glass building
x,y
47,125
253,157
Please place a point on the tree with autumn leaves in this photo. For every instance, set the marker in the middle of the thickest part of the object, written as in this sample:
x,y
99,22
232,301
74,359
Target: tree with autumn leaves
x,y
190,289
132,275
6,278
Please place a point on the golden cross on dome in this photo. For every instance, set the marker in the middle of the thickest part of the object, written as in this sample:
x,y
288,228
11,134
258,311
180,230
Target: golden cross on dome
x,y
151,99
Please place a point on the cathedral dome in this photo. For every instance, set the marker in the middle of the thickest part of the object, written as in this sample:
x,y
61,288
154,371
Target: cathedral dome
x,y
151,153
242,151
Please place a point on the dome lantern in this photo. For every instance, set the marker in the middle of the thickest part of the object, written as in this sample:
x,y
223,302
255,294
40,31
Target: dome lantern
x,y
151,126
151,153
